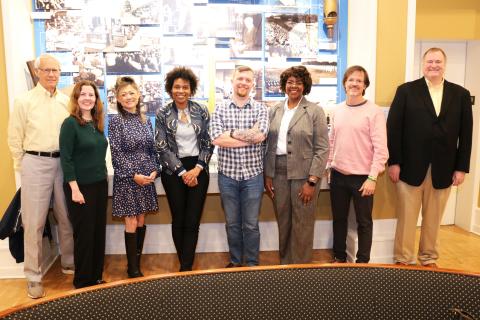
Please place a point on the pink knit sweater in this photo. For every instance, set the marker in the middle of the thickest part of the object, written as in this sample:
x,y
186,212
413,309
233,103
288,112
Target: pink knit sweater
x,y
358,139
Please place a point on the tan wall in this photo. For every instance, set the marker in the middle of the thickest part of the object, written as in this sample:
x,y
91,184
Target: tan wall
x,y
7,185
448,20
391,50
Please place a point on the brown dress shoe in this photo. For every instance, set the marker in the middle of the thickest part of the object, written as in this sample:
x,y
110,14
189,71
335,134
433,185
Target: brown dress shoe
x,y
431,265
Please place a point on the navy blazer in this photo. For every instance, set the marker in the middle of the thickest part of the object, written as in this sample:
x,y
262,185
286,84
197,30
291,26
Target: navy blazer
x,y
165,130
418,138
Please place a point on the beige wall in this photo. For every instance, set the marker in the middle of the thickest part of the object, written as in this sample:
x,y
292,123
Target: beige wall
x,y
448,20
391,50
7,185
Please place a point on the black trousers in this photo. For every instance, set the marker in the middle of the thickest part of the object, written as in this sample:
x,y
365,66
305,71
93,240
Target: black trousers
x,y
343,188
89,224
186,207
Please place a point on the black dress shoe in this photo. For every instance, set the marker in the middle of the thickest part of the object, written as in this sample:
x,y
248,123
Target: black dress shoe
x,y
100,281
233,265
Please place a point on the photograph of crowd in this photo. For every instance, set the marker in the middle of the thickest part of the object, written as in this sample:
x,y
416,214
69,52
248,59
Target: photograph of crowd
x,y
141,12
141,62
63,30
292,35
151,90
49,5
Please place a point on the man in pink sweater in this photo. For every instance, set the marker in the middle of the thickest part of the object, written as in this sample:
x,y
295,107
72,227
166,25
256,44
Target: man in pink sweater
x,y
358,153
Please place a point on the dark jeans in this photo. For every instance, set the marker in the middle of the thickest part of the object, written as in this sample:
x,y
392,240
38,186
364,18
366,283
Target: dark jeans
x,y
186,206
89,224
343,188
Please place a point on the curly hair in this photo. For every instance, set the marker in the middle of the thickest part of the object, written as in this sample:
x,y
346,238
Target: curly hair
x,y
299,72
97,111
181,73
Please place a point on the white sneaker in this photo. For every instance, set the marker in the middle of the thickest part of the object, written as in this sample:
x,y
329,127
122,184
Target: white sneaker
x,y
35,289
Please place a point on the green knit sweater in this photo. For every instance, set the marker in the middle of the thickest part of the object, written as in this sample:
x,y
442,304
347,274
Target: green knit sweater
x,y
82,152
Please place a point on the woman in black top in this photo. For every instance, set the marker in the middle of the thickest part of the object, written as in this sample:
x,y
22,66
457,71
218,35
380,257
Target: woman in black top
x,y
184,147
82,153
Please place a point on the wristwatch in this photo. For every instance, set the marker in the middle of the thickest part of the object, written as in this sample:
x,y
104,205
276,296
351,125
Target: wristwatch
x,y
231,133
312,183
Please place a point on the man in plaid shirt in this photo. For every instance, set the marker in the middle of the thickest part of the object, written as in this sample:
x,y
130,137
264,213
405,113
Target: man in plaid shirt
x,y
238,127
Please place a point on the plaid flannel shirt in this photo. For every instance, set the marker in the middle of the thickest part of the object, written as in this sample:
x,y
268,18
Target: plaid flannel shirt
x,y
244,162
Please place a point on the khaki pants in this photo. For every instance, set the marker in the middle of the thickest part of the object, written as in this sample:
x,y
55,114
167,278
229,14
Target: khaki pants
x,y
42,176
410,199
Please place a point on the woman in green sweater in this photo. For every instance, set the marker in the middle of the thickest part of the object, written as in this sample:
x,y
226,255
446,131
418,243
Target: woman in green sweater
x,y
82,153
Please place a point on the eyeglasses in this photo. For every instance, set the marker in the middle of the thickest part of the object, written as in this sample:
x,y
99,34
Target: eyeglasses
x,y
49,70
294,83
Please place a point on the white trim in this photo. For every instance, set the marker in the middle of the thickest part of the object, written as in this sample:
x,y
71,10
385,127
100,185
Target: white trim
x,y
212,238
362,39
410,51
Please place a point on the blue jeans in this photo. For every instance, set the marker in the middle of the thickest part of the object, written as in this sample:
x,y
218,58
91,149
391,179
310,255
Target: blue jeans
x,y
241,202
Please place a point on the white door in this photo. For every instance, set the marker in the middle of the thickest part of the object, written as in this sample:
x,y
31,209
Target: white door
x,y
456,52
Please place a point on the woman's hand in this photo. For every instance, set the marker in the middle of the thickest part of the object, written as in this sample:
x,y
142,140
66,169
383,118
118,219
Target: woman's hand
x,y
77,195
153,176
190,177
142,180
269,187
368,188
306,193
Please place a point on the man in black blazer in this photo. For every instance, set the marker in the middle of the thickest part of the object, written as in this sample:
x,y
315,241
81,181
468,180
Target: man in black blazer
x,y
429,131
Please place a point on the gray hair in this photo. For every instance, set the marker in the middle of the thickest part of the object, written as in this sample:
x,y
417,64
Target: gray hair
x,y
36,64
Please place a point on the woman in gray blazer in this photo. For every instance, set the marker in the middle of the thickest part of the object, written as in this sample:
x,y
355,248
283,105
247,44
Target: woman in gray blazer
x,y
184,148
297,150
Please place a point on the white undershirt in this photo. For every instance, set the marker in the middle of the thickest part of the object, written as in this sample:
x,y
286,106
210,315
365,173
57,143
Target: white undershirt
x,y
282,132
186,138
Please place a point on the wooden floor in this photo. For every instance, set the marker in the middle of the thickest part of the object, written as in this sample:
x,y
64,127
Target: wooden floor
x,y
458,250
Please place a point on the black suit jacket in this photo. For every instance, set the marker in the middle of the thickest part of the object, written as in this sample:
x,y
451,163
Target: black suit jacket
x,y
417,137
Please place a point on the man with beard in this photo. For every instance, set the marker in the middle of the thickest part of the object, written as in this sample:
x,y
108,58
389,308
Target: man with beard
x,y
238,127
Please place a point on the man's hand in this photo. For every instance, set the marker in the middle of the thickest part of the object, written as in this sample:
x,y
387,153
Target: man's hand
x,y
368,188
394,172
458,177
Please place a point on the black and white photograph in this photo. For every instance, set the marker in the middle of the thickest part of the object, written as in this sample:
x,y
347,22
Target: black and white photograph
x,y
63,31
90,67
183,51
50,5
248,36
141,12
224,73
133,37
272,81
140,62
291,35
323,71
151,90
177,16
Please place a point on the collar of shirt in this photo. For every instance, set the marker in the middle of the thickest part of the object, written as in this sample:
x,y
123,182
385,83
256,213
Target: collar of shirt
x,y
287,109
431,86
248,104
45,91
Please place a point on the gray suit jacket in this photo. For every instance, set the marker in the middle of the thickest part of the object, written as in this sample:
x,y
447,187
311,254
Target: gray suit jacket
x,y
307,141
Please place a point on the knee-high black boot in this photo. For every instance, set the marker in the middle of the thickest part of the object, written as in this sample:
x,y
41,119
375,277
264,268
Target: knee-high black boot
x,y
131,248
140,239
